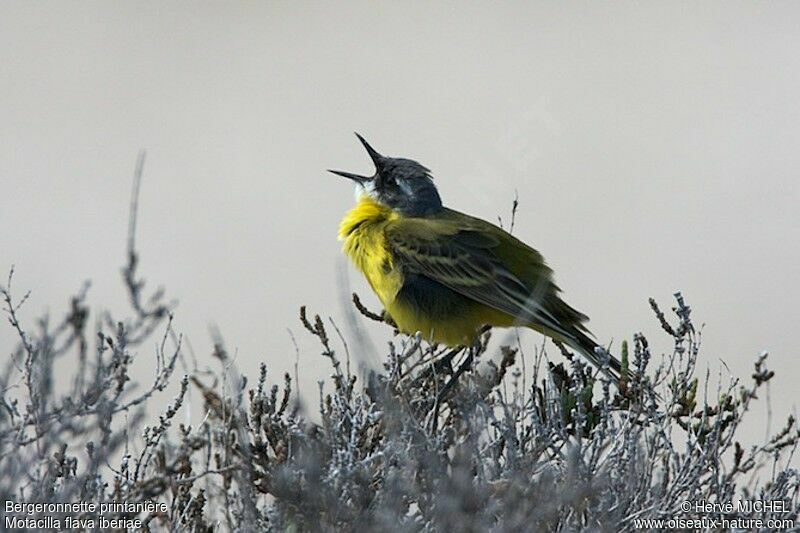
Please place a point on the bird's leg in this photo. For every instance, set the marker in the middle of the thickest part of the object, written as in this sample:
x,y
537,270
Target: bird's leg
x,y
440,366
444,361
465,364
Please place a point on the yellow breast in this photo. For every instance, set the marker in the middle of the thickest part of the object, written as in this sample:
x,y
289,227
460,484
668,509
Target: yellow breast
x,y
362,230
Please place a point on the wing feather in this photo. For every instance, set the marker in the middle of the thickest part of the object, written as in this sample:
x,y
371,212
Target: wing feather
x,y
465,259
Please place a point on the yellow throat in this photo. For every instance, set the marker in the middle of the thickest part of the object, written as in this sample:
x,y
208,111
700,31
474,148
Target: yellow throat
x,y
361,229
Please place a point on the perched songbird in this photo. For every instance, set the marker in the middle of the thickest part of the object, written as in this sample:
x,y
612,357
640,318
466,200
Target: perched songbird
x,y
447,274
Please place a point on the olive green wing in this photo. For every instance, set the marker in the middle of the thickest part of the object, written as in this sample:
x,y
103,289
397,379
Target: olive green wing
x,y
480,261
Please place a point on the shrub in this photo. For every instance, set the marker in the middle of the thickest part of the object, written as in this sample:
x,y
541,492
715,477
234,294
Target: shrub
x,y
439,439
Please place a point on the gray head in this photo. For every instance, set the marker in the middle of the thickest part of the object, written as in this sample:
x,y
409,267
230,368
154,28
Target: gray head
x,y
402,184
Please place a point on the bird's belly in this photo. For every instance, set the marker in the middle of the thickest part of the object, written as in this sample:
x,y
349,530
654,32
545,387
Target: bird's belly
x,y
440,314
417,303
450,330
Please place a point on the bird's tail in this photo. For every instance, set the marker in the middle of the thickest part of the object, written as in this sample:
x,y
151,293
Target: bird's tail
x,y
563,323
589,349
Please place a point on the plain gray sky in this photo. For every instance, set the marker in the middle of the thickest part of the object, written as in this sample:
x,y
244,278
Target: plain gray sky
x,y
654,146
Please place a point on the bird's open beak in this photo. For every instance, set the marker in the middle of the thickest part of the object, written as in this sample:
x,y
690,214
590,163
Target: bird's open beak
x,y
348,175
373,154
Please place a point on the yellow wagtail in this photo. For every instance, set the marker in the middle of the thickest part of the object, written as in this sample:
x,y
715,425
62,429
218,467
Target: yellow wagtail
x,y
447,274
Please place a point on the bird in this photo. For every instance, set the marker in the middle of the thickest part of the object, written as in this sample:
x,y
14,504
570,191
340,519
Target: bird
x,y
446,274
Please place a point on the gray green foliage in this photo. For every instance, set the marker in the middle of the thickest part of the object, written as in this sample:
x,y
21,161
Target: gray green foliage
x,y
483,438
438,440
